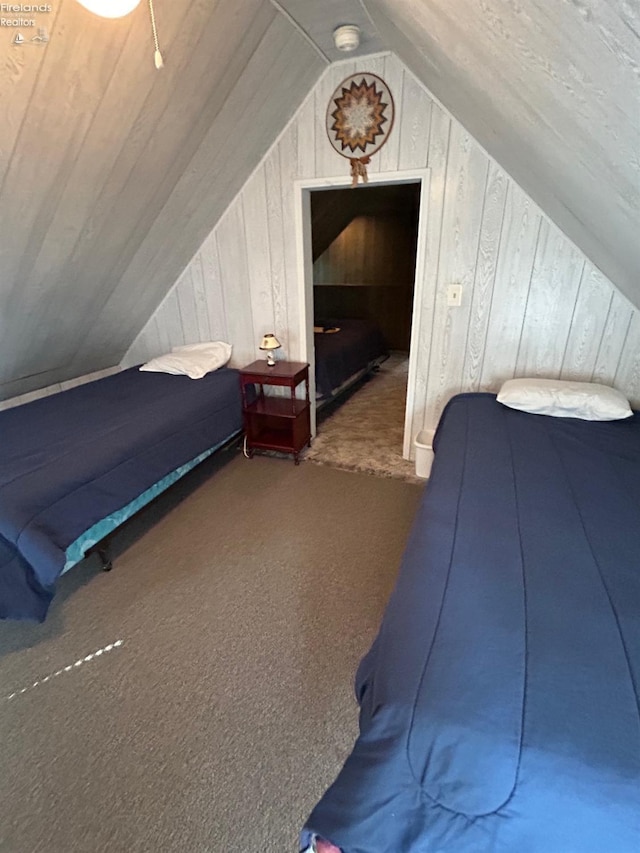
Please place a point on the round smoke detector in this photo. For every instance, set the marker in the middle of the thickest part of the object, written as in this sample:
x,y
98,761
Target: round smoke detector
x,y
347,37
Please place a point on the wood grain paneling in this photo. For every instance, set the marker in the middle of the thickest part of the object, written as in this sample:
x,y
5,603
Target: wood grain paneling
x,y
528,295
262,98
80,108
19,74
519,238
368,269
613,340
484,276
551,90
392,74
61,386
232,248
370,250
327,161
437,157
557,269
413,134
212,284
587,325
464,197
289,164
320,19
112,174
628,370
276,282
258,254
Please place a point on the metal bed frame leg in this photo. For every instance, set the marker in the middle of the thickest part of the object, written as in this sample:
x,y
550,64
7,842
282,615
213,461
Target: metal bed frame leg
x,y
103,548
105,557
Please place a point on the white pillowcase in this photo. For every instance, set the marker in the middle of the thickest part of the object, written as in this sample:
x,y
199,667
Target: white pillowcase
x,y
564,399
193,360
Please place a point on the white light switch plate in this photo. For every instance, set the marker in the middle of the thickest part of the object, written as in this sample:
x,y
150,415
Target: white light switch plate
x,y
454,295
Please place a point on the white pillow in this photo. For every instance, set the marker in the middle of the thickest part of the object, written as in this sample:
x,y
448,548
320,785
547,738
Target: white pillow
x,y
193,360
564,399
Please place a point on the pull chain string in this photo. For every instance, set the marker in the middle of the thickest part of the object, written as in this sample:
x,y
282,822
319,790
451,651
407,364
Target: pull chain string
x,y
157,55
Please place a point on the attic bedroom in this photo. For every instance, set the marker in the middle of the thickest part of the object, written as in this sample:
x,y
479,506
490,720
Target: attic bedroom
x,y
184,612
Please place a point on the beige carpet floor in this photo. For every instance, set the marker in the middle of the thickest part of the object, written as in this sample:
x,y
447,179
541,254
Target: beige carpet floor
x,y
365,433
221,704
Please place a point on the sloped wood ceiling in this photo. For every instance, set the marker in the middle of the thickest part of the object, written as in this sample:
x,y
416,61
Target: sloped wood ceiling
x,y
319,18
112,173
551,89
333,210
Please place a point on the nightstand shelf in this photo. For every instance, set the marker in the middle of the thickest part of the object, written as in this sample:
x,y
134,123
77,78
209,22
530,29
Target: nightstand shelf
x,y
276,423
280,407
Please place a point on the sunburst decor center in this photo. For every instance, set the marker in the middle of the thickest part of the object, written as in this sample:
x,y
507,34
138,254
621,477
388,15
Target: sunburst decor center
x,y
359,119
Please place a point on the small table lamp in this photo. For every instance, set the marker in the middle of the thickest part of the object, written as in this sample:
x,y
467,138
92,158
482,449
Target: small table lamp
x,y
270,343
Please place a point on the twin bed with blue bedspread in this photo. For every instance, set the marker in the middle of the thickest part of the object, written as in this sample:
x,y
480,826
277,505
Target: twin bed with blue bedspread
x,y
345,350
75,465
499,703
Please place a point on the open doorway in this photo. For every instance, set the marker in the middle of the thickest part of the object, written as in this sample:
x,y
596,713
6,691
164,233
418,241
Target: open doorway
x,y
362,256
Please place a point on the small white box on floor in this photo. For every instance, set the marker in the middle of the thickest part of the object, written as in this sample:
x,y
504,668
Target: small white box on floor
x,y
424,452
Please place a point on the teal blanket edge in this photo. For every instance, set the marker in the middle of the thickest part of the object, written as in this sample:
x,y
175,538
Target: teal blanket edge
x,y
77,551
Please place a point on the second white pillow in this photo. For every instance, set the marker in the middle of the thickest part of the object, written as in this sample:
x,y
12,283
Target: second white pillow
x,y
560,398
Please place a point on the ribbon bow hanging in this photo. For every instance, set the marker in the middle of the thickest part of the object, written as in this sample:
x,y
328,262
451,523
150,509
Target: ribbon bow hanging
x,y
359,170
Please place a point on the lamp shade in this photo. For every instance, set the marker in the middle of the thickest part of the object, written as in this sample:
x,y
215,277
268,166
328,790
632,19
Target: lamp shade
x,y
270,342
110,8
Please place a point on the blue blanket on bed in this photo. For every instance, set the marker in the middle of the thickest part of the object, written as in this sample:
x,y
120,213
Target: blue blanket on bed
x,y
343,354
500,708
69,460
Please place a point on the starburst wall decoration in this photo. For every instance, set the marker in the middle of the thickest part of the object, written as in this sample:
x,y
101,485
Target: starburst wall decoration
x,y
359,120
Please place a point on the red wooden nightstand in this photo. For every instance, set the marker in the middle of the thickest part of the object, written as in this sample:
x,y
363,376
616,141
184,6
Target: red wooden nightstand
x,y
276,423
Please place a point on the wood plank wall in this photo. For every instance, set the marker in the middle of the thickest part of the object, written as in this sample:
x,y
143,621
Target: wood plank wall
x,y
529,82
112,174
368,271
56,387
532,304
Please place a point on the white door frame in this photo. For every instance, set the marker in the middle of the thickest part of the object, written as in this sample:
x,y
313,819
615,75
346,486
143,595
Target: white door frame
x,y
302,196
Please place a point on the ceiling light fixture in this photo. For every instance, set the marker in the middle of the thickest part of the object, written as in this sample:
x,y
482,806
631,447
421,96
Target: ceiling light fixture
x,y
120,8
347,37
110,8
